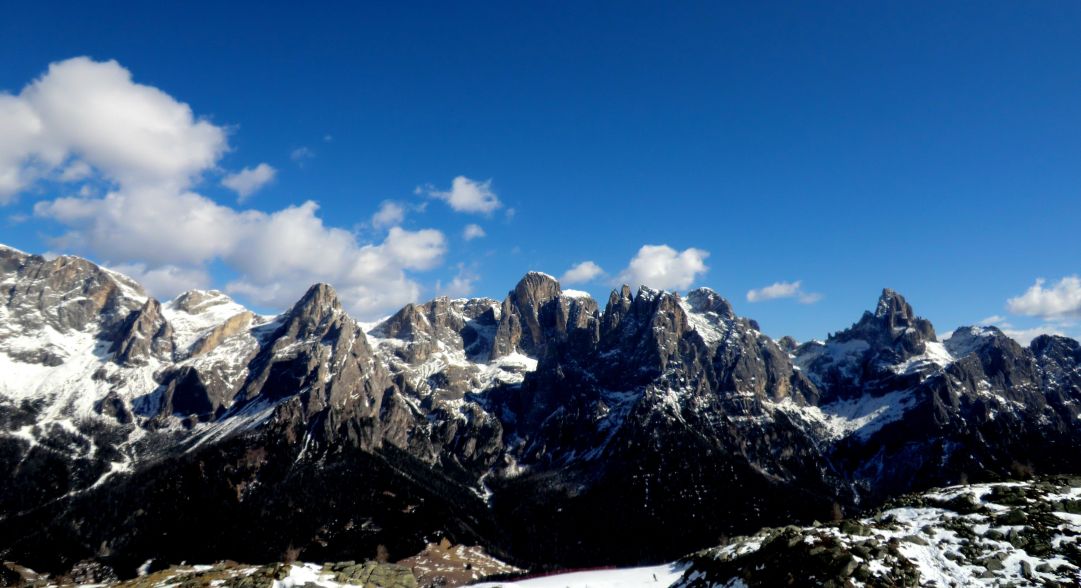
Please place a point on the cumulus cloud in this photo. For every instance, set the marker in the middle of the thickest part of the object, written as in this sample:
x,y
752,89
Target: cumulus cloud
x,y
466,195
151,223
473,232
135,135
660,266
167,281
389,214
581,273
1063,299
783,290
461,285
1024,336
249,180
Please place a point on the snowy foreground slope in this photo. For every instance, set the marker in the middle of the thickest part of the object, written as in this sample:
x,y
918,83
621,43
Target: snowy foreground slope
x,y
1002,534
1006,534
546,427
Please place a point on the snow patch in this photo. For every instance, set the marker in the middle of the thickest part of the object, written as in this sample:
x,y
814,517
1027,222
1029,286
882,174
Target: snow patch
x,y
861,416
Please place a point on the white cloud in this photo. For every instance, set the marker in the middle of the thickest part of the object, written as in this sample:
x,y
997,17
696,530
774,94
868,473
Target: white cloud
x,y
75,171
1061,300
1024,336
300,155
390,214
248,180
135,135
165,282
783,290
371,278
461,285
473,232
466,195
151,223
581,273
660,266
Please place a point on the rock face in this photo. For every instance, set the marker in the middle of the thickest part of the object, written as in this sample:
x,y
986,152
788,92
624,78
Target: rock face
x,y
543,427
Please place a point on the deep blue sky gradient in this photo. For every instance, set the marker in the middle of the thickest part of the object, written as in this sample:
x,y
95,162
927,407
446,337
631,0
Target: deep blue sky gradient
x,y
931,147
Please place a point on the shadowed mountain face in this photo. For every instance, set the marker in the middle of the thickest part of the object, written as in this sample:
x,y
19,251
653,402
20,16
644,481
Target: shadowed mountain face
x,y
547,428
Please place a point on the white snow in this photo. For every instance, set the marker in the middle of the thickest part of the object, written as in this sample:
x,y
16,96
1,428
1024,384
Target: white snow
x,y
965,341
190,325
712,327
935,355
861,416
576,294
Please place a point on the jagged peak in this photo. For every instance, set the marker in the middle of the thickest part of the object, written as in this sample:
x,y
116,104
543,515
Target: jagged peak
x,y
623,293
895,318
648,293
705,300
892,304
319,298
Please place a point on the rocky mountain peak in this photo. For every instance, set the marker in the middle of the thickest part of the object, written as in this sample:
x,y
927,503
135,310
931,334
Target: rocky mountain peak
x,y
195,301
320,299
536,288
890,340
893,321
890,302
311,314
66,292
536,313
966,340
704,300
1057,347
407,323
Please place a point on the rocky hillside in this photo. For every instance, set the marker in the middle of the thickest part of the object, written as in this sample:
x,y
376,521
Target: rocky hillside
x,y
546,427
1019,534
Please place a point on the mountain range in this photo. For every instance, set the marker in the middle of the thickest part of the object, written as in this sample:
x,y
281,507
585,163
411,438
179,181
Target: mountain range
x,y
552,430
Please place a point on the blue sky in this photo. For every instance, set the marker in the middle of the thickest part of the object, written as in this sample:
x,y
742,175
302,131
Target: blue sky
x,y
928,147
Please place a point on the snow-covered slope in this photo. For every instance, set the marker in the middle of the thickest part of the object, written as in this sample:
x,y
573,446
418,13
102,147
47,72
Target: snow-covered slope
x,y
1019,533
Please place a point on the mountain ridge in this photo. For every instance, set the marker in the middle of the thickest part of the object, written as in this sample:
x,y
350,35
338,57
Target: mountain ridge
x,y
541,426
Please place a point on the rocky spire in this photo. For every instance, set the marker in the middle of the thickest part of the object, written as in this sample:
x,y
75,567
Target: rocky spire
x,y
894,309
314,311
536,312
